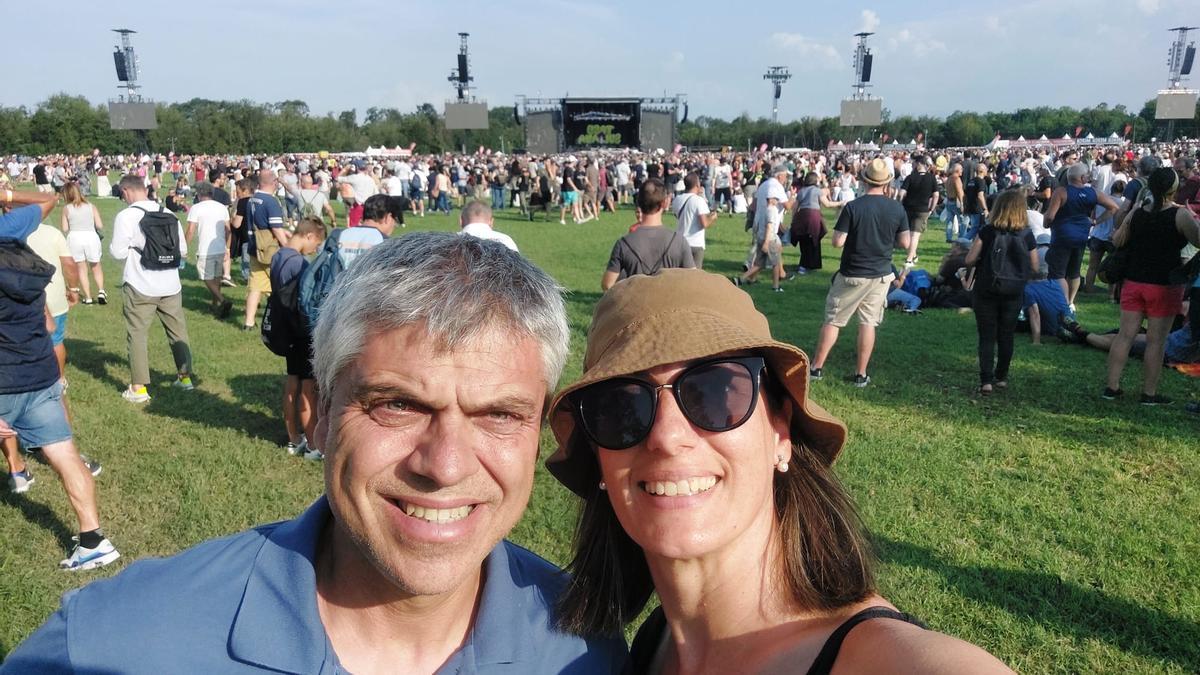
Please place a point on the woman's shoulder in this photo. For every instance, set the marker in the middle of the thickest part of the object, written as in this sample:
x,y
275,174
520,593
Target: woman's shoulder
x,y
888,644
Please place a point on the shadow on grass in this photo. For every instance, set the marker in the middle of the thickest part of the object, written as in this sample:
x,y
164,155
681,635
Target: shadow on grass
x,y
39,514
198,406
1061,606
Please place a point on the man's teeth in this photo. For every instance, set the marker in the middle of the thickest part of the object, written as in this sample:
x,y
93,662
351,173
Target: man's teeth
x,y
438,515
680,488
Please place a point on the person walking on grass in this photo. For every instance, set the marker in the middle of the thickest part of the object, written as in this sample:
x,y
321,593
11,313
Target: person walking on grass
x,y
266,232
768,249
867,230
81,222
31,385
693,216
208,220
1004,255
1154,234
149,292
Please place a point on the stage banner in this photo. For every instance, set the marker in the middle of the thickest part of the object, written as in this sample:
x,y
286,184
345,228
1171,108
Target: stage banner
x,y
601,123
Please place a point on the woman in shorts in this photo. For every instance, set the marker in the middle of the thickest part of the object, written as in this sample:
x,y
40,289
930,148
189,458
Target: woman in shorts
x,y
1154,234
80,221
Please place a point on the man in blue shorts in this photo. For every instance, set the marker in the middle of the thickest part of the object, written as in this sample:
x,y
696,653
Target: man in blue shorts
x,y
435,356
31,407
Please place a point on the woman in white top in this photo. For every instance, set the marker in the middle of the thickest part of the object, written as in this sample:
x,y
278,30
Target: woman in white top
x,y
80,221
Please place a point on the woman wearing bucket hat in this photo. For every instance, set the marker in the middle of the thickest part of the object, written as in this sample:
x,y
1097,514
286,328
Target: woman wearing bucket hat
x,y
719,496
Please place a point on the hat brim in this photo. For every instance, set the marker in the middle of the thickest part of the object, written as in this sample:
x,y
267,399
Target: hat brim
x,y
574,463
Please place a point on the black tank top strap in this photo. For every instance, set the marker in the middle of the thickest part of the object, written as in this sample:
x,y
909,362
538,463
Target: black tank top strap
x,y
829,652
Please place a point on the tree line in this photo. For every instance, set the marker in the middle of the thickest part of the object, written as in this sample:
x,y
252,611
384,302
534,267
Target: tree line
x,y
71,124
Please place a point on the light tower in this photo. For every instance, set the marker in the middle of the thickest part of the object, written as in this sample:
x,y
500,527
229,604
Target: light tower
x,y
862,65
776,75
862,109
127,65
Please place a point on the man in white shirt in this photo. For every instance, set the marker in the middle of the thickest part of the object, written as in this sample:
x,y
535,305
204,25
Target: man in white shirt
x,y
624,172
404,172
694,216
147,293
363,187
209,220
771,188
477,221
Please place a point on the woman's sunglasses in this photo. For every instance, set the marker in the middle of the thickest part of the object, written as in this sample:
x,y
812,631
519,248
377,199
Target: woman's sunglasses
x,y
715,395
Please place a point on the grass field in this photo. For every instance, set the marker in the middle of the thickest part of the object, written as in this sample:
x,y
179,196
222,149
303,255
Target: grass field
x,y
1059,531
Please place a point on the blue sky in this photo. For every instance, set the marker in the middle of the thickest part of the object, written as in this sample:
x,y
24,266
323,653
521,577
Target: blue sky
x,y
341,54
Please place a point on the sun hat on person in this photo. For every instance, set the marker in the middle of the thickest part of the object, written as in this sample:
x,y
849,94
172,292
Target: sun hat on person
x,y
876,172
673,316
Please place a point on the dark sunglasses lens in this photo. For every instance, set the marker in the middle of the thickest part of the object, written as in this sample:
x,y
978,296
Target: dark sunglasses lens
x,y
616,415
717,396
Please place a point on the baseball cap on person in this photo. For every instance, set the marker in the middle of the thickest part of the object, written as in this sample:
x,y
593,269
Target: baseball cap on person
x,y
673,316
359,164
876,172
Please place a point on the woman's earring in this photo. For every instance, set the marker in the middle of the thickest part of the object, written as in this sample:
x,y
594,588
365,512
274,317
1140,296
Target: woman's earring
x,y
603,485
782,465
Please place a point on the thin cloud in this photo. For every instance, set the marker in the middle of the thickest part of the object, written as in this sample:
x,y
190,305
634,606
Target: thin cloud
x,y
870,21
819,54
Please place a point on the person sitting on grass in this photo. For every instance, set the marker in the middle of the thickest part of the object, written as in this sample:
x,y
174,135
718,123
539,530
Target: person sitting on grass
x,y
1048,312
898,297
299,389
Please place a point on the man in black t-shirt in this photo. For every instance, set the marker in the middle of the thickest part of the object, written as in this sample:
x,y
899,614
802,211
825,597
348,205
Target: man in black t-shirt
x,y
40,178
867,230
919,197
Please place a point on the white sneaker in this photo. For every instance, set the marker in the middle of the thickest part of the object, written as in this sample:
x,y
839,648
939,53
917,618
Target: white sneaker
x,y
20,481
297,449
314,455
138,395
90,558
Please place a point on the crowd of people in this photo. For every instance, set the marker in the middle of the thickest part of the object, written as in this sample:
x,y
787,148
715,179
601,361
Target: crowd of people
x,y
435,371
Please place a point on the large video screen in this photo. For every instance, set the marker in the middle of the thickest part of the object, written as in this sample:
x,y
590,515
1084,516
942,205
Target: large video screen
x,y
601,123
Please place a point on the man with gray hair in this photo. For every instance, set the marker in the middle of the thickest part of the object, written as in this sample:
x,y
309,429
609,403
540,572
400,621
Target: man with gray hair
x,y
434,369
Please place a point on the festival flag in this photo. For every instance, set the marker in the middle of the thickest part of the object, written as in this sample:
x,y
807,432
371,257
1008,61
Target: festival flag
x,y
762,148
885,138
920,137
829,144
1128,128
678,147
412,146
1078,130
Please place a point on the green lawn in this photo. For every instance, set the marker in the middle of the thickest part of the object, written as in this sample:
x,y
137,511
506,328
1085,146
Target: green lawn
x,y
1057,530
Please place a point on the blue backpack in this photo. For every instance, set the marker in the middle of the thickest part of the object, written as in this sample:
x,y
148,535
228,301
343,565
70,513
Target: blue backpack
x,y
318,278
915,281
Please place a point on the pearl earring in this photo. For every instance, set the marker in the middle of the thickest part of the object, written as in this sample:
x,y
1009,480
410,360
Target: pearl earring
x,y
603,485
782,465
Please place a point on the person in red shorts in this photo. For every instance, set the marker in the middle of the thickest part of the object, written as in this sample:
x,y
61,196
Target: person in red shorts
x,y
1154,234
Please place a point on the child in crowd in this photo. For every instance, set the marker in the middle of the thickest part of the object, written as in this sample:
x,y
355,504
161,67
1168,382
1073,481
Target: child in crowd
x,y
299,390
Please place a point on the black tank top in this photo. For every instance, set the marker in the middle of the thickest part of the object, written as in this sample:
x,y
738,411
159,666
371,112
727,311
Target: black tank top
x,y
651,634
1154,246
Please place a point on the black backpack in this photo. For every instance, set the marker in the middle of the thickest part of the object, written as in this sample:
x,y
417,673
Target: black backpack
x,y
282,326
161,230
1008,265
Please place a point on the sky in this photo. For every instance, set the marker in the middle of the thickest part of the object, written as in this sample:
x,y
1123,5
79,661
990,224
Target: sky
x,y
342,54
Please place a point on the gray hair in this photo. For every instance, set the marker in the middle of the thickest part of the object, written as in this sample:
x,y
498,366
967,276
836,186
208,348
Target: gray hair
x,y
1077,171
457,287
475,212
1147,165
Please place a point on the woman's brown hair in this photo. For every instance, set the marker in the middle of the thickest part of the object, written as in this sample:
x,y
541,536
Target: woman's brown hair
x,y
827,561
1009,212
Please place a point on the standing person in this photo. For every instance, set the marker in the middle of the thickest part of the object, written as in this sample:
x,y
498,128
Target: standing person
x,y
1004,255
954,204
441,184
361,187
591,203
81,222
570,192
314,203
31,385
1072,214
808,225
774,187
975,205
148,292
299,388
1099,243
649,247
1153,235
919,197
866,231
208,220
768,248
264,225
723,186
238,237
693,216
477,220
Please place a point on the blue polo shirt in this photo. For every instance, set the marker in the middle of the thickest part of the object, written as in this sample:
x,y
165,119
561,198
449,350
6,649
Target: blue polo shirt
x,y
247,603
263,211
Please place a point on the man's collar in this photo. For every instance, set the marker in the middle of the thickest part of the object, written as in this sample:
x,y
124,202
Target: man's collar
x,y
281,599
